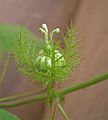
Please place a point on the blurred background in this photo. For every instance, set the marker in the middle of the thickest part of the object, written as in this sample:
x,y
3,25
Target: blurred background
x,y
90,18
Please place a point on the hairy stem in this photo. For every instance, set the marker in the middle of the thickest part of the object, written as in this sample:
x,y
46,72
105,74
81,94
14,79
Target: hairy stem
x,y
23,101
53,110
0,55
22,94
84,84
63,112
2,76
49,113
63,92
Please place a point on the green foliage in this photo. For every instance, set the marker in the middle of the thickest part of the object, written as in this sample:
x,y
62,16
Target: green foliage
x,y
5,44
46,65
25,52
5,115
71,52
8,34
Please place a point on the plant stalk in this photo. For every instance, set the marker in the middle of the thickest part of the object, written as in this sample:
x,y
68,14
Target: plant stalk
x,y
50,111
63,92
23,101
21,95
63,112
2,76
84,84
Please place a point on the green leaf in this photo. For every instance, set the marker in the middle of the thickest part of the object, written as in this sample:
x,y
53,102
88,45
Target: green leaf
x,y
5,115
9,33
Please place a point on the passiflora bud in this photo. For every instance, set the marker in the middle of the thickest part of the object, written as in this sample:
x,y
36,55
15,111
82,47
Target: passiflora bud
x,y
45,61
59,59
44,58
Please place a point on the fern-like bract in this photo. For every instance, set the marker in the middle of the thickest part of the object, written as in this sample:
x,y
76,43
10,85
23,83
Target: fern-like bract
x,y
52,62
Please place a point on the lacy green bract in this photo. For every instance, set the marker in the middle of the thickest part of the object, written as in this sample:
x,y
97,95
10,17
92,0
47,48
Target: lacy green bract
x,y
53,62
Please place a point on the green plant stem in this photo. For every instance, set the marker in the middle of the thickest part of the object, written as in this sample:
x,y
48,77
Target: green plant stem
x,y
0,56
23,101
63,112
2,76
50,82
22,94
63,92
53,110
49,113
51,105
83,85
